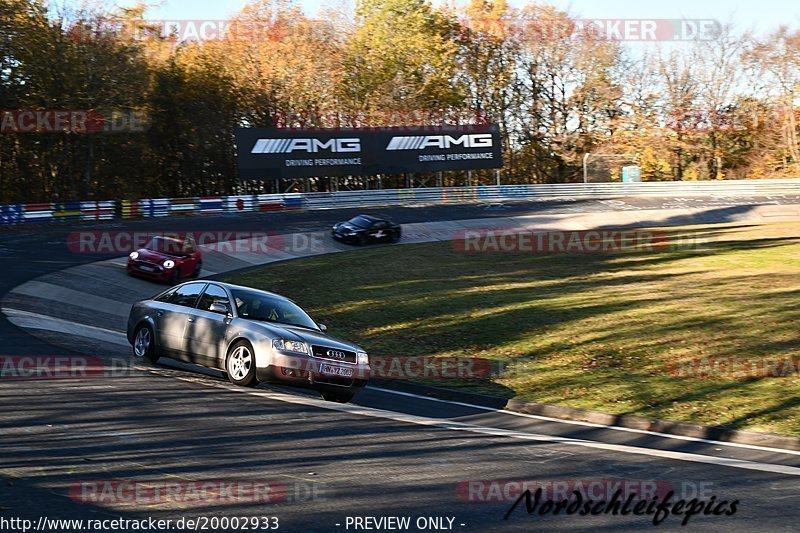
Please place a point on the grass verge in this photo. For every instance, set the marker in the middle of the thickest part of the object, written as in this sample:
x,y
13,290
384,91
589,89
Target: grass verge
x,y
705,332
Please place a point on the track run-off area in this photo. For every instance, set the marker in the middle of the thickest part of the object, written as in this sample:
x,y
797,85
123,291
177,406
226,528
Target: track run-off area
x,y
445,465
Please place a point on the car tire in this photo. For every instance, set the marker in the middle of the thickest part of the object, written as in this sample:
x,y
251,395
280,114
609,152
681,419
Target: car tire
x,y
197,269
144,346
338,397
175,278
362,240
394,237
240,364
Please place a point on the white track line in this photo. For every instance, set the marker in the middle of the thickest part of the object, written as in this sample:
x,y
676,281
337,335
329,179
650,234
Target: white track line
x,y
592,424
29,320
45,322
495,432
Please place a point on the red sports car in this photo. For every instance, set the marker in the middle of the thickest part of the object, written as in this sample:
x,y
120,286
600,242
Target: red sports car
x,y
166,259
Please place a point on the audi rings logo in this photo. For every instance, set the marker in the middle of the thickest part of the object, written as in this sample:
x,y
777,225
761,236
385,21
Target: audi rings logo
x,y
336,354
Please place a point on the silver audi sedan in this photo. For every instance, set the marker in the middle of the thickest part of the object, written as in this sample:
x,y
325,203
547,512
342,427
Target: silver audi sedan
x,y
252,335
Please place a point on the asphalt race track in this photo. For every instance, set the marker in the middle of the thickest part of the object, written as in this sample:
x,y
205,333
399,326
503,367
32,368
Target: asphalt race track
x,y
391,454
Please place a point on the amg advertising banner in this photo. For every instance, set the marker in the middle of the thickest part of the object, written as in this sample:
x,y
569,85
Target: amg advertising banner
x,y
267,153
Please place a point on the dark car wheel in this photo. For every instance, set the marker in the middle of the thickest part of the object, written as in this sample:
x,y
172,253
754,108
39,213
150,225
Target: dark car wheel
x,y
176,275
197,269
362,240
338,397
241,364
394,237
144,346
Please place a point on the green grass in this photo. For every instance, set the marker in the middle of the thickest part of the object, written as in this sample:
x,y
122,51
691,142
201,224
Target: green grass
x,y
596,331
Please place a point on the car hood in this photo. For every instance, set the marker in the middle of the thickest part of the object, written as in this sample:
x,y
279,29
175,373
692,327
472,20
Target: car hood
x,y
152,255
306,335
346,226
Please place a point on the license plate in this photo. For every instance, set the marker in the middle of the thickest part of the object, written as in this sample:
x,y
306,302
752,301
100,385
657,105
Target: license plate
x,y
339,371
146,268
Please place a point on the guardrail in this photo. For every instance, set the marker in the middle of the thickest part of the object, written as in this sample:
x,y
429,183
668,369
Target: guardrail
x,y
16,214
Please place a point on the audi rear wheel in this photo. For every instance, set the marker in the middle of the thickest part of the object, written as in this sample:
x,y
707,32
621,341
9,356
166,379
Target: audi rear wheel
x,y
143,346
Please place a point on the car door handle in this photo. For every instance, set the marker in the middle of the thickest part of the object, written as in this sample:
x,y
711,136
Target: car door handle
x,y
191,320
160,313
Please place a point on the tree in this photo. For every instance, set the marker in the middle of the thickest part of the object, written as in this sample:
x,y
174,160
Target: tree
x,y
488,61
777,57
402,56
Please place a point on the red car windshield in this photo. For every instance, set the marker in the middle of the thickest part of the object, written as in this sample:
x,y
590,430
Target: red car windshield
x,y
168,246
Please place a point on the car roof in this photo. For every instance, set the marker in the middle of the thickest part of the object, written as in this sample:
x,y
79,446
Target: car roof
x,y
166,238
370,217
175,239
232,286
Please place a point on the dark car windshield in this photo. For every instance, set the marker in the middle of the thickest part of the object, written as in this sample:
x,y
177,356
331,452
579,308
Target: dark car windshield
x,y
360,221
255,305
166,245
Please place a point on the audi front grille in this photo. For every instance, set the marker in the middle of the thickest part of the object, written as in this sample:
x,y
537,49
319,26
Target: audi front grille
x,y
333,354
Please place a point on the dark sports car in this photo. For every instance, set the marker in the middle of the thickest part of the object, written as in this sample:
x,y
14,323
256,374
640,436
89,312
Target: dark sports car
x,y
166,259
364,229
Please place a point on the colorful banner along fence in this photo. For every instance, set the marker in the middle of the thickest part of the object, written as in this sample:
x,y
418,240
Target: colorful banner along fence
x,y
18,214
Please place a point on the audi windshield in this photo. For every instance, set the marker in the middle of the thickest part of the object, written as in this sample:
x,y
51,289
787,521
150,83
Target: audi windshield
x,y
255,305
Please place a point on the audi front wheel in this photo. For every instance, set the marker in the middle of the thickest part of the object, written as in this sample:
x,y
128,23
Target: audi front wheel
x,y
241,364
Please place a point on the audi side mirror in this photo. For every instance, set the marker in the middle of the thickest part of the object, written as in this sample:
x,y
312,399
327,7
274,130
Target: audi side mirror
x,y
219,308
322,327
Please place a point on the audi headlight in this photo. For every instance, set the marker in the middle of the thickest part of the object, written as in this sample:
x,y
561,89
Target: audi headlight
x,y
169,263
134,255
362,358
285,345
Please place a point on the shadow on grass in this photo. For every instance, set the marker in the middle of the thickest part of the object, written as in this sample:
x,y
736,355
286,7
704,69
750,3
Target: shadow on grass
x,y
589,330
